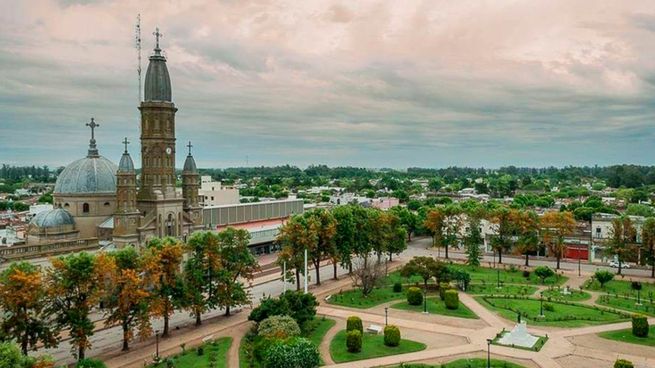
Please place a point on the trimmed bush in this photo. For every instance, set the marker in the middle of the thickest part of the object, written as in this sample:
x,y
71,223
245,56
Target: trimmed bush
x,y
297,352
549,307
639,325
443,286
355,323
391,336
354,341
414,296
622,363
278,327
451,299
526,274
397,287
90,363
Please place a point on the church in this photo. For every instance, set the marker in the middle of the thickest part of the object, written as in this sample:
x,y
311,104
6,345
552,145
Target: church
x,y
96,199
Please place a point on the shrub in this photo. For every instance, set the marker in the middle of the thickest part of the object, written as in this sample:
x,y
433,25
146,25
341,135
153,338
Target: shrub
x,y
639,325
543,272
354,341
201,351
451,299
391,336
443,286
278,327
296,352
397,287
635,285
603,277
526,274
298,305
414,296
549,307
90,363
355,323
622,363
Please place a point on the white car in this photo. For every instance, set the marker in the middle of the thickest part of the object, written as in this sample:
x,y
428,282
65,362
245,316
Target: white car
x,y
615,264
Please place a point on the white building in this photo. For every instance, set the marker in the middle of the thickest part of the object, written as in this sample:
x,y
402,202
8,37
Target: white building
x,y
601,232
213,193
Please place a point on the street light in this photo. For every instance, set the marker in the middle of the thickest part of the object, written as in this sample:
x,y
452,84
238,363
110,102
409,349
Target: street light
x,y
157,344
386,315
425,301
498,273
541,305
489,353
579,265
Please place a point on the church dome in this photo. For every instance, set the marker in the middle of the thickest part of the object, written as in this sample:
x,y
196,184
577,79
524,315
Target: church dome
x,y
157,85
87,175
126,165
53,218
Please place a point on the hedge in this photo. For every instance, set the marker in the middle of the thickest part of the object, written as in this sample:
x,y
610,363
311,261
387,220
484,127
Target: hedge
x,y
443,286
622,363
451,299
297,352
391,336
355,323
278,327
414,296
397,287
639,325
354,341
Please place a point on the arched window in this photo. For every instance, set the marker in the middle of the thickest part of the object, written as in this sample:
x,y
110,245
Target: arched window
x,y
66,205
106,204
85,208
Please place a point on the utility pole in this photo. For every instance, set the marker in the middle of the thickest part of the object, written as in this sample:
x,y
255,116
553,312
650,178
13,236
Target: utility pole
x,y
137,44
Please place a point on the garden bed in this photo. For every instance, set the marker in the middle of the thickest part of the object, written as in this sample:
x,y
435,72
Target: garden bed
x,y
627,337
437,306
372,347
216,350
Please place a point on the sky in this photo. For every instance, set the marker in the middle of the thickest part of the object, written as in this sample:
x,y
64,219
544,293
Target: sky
x,y
360,83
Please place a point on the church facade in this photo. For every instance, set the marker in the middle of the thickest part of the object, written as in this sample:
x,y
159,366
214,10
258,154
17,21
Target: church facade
x,y
94,198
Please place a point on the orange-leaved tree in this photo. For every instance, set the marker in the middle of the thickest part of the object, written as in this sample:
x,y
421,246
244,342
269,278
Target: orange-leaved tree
x,y
555,227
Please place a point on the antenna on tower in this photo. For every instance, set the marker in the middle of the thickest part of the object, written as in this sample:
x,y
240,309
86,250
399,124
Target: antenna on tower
x,y
137,40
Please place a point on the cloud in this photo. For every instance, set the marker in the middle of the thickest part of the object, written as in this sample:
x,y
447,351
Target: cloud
x,y
367,83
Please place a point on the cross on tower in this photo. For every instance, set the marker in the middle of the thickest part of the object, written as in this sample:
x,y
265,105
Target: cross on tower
x,y
157,35
189,145
93,125
126,142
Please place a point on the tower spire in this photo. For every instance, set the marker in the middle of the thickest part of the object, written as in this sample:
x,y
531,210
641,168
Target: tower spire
x,y
126,142
93,149
189,145
157,35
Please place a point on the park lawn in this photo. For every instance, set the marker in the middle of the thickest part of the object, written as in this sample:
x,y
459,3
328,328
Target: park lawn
x,y
467,363
354,298
564,315
191,359
372,347
627,336
574,296
507,276
505,289
437,306
319,327
627,304
621,287
394,277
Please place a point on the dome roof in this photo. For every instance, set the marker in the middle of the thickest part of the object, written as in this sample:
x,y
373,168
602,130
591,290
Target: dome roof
x,y
157,86
53,218
190,165
93,174
126,165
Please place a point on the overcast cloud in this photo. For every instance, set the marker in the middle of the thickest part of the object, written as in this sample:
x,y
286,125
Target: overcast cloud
x,y
365,83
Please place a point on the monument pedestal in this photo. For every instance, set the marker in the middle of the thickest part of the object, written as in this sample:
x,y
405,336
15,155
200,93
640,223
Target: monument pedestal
x,y
519,336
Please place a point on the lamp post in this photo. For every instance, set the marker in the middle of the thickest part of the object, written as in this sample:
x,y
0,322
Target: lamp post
x,y
425,301
157,345
386,315
541,305
489,353
498,277
579,265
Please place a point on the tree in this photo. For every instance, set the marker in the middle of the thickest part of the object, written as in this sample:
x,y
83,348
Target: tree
x,y
393,234
194,284
603,277
527,228
324,226
367,275
452,226
544,272
162,261
344,236
236,263
128,298
622,239
473,238
434,224
501,240
648,242
294,237
408,219
555,227
76,284
23,299
426,268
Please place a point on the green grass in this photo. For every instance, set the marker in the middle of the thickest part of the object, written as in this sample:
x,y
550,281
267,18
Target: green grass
x,y
507,276
372,347
574,296
394,277
437,306
564,315
467,363
505,289
190,359
354,298
317,329
627,304
627,337
621,287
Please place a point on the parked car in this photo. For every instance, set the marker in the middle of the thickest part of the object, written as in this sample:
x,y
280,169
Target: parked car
x,y
615,264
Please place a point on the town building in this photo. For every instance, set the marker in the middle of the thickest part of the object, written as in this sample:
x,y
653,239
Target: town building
x,y
213,193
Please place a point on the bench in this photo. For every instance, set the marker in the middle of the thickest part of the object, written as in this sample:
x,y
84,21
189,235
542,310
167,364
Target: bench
x,y
374,329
